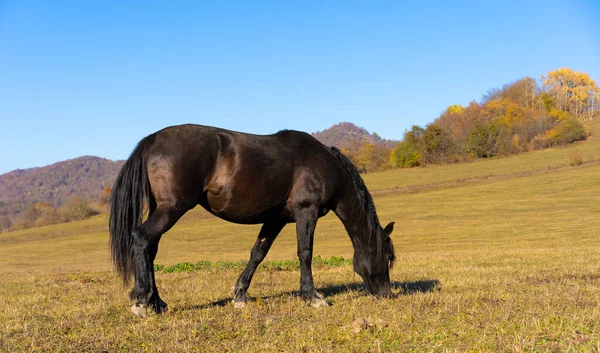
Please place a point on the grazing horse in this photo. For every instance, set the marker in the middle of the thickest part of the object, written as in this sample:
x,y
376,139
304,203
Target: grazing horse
x,y
287,177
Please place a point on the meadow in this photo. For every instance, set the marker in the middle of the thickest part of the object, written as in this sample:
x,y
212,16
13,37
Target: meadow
x,y
496,255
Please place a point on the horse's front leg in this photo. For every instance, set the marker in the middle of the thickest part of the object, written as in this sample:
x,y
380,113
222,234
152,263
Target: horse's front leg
x,y
266,237
306,221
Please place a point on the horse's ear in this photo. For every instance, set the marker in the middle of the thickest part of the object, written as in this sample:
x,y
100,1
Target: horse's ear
x,y
389,228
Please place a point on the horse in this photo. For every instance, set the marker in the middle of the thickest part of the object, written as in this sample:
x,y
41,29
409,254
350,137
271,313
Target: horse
x,y
286,177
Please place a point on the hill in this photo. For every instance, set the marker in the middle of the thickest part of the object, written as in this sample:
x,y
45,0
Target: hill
x,y
349,136
55,184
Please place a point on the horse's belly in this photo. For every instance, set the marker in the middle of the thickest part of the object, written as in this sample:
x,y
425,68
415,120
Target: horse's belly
x,y
241,208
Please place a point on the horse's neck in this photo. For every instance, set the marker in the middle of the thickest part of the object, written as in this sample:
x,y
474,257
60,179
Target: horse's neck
x,y
351,211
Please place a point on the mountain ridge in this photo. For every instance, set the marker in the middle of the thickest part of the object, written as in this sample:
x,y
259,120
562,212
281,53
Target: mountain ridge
x,y
55,184
349,136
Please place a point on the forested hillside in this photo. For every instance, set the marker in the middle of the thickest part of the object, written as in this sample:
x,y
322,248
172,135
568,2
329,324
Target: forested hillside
x,y
521,116
54,185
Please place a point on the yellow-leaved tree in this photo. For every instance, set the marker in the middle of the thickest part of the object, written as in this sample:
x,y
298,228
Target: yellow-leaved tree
x,y
573,92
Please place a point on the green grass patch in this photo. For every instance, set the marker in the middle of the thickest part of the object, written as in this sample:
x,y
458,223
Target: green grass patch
x,y
318,262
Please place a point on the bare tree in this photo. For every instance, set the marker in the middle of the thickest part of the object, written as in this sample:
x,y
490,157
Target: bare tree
x,y
77,208
5,224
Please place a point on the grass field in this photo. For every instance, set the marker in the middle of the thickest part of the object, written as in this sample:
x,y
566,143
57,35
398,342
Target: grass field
x,y
496,255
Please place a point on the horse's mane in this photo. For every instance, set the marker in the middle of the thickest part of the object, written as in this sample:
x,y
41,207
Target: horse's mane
x,y
364,200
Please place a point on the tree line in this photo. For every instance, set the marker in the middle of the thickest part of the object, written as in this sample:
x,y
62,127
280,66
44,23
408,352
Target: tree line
x,y
524,115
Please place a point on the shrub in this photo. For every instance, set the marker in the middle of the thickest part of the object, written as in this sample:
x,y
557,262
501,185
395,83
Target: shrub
x,y
77,208
405,156
52,216
568,130
575,159
539,142
5,224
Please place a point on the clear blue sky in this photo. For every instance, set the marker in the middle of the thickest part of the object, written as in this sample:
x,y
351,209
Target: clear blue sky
x,y
94,77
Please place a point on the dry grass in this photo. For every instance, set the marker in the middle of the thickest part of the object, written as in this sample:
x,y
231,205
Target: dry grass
x,y
495,264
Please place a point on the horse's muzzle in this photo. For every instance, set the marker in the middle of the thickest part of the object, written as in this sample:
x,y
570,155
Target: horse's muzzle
x,y
379,286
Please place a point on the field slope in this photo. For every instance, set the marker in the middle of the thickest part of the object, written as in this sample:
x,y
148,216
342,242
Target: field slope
x,y
496,255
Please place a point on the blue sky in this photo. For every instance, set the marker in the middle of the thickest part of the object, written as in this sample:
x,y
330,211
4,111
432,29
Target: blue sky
x,y
94,77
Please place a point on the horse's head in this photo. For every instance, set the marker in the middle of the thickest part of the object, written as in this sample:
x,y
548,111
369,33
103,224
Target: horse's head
x,y
374,264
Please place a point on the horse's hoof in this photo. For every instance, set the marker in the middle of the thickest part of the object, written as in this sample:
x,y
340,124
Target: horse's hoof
x,y
239,299
161,308
318,302
158,306
238,304
139,310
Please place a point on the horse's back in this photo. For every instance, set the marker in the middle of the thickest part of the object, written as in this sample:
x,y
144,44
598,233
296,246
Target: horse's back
x,y
240,177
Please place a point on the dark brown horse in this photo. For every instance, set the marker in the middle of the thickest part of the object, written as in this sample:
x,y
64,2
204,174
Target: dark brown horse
x,y
288,177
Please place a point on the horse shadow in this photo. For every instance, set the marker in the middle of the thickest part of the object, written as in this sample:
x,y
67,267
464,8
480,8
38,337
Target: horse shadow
x,y
405,288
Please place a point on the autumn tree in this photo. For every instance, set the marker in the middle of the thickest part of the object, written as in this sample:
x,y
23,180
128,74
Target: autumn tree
x,y
381,157
370,158
458,121
104,196
364,157
524,92
573,92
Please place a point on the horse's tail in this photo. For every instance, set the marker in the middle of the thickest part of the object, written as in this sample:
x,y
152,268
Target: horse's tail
x,y
129,192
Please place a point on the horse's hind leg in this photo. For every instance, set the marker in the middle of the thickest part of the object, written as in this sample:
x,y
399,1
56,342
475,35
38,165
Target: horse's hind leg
x,y
266,237
145,247
155,302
